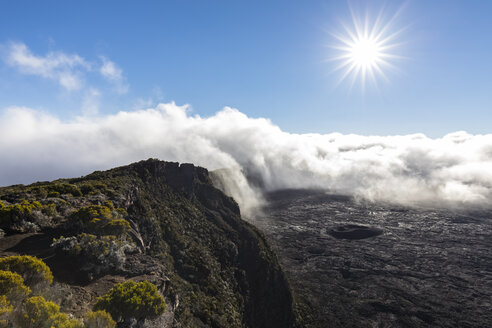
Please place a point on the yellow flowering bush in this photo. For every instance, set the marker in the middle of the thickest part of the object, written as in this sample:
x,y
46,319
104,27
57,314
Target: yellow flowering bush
x,y
132,300
12,286
26,216
5,310
99,319
99,220
39,313
35,272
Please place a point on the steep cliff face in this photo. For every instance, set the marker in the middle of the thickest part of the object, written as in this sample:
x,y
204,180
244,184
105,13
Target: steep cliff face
x,y
214,269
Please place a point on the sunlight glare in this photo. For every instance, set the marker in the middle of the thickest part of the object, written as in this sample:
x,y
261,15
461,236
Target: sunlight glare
x,y
364,50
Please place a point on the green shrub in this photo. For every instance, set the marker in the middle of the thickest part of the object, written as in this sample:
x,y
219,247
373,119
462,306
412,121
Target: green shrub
x,y
93,187
53,194
99,319
87,189
35,272
49,209
12,215
61,320
63,189
109,204
39,313
99,220
5,306
26,216
36,312
132,300
5,311
99,253
116,227
12,286
87,213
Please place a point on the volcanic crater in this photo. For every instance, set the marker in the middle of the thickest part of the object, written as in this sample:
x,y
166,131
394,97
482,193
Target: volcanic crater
x,y
359,264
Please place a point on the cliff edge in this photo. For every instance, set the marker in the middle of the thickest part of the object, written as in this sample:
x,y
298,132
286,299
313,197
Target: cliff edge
x,y
156,221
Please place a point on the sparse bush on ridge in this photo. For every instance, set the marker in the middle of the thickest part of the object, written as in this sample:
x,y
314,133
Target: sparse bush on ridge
x,y
124,301
36,312
99,319
16,309
53,189
53,194
99,220
5,311
101,241
26,216
99,253
93,187
12,287
35,272
62,320
11,216
132,300
63,189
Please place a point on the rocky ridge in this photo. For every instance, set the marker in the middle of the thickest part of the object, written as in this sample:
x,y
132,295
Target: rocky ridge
x,y
184,235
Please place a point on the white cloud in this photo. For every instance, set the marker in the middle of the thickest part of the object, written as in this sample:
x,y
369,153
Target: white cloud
x,y
55,65
114,74
455,170
90,102
69,70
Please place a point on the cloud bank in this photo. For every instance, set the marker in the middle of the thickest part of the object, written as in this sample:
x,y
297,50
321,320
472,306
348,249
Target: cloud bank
x,y
455,170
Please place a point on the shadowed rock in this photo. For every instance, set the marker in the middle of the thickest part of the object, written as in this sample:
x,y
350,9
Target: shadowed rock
x,y
353,231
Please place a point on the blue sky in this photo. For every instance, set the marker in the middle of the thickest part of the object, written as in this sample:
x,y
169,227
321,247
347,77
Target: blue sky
x,y
265,58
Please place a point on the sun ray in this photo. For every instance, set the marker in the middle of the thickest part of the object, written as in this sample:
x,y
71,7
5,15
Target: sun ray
x,y
365,48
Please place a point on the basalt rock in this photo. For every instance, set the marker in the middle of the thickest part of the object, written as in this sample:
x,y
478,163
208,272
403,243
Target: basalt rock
x,y
354,231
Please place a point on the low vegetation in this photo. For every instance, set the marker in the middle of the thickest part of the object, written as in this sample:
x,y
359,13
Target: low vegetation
x,y
57,189
36,312
99,254
99,220
5,311
25,216
99,319
34,272
19,307
100,238
12,287
132,300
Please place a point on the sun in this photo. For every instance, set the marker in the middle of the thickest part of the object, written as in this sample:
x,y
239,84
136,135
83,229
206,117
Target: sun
x,y
365,50
365,53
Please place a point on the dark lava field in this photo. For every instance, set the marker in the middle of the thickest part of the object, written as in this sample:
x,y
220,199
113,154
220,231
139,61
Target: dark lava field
x,y
362,264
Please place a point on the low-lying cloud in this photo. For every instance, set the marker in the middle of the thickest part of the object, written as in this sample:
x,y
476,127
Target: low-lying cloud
x,y
455,170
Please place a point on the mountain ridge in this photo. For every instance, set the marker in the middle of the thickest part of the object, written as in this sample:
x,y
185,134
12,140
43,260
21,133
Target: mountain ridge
x,y
179,232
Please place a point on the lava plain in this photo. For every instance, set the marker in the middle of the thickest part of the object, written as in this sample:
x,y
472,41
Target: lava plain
x,y
423,267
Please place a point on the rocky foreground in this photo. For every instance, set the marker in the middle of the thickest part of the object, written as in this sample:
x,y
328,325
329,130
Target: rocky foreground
x,y
370,265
